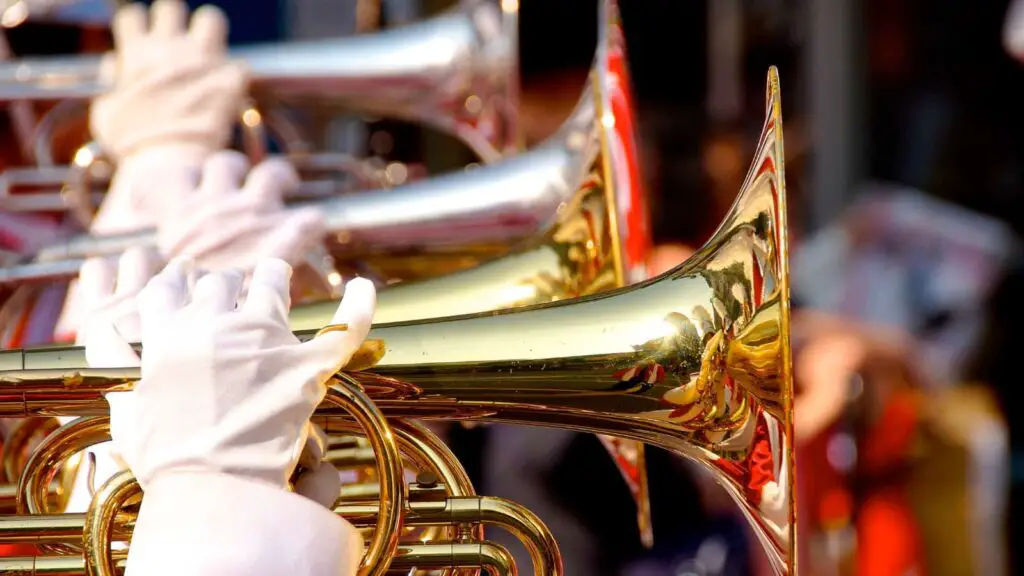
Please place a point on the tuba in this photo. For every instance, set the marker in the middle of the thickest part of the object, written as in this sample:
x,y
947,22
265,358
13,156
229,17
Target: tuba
x,y
696,361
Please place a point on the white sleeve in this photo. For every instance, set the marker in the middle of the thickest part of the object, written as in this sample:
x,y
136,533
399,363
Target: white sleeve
x,y
221,525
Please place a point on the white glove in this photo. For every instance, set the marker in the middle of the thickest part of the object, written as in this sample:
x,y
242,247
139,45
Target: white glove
x,y
108,290
171,84
213,429
235,216
174,101
226,390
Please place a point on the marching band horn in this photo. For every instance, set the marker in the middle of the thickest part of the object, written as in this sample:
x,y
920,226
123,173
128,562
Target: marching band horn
x,y
696,361
477,213
457,72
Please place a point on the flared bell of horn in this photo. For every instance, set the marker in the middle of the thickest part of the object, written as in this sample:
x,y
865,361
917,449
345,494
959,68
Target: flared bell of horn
x,y
710,339
457,72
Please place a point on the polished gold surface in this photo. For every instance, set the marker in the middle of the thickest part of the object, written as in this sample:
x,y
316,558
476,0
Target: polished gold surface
x,y
711,338
487,556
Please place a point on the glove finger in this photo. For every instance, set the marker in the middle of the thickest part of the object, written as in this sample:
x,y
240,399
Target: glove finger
x,y
164,295
321,485
122,425
217,292
96,282
356,310
315,447
129,26
271,180
108,68
168,18
223,173
105,347
294,235
135,268
270,290
209,30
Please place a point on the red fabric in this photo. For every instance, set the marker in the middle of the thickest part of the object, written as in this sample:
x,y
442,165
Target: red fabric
x,y
887,442
888,543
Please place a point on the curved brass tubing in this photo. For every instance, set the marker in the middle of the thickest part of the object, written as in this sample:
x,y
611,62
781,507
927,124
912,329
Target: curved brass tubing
x,y
487,556
33,496
18,448
97,525
18,443
513,517
344,393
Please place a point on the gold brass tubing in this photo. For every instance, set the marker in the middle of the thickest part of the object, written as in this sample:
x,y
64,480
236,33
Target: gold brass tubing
x,y
50,565
46,462
17,443
47,528
15,454
349,458
486,555
427,452
100,522
359,492
42,466
524,524
9,497
489,556
346,393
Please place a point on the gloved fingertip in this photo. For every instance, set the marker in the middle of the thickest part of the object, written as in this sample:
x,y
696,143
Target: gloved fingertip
x,y
272,271
311,221
228,164
361,292
128,24
96,276
210,23
322,485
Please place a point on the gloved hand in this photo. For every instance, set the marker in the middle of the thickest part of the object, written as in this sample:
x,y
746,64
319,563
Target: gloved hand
x,y
213,429
175,98
108,290
232,217
172,85
226,390
236,216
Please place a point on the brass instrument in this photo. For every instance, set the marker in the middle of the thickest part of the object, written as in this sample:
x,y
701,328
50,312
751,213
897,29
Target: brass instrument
x,y
709,339
457,72
486,209
517,202
598,241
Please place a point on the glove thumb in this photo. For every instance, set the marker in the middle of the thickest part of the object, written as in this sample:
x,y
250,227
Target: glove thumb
x,y
321,485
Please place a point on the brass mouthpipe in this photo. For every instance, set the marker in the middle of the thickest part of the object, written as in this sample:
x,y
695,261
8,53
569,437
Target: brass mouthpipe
x,y
488,556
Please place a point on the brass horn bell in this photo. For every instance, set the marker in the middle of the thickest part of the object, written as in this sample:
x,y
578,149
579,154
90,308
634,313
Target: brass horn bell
x,y
710,339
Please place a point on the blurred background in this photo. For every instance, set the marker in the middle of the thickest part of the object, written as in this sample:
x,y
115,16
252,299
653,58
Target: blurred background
x,y
905,170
